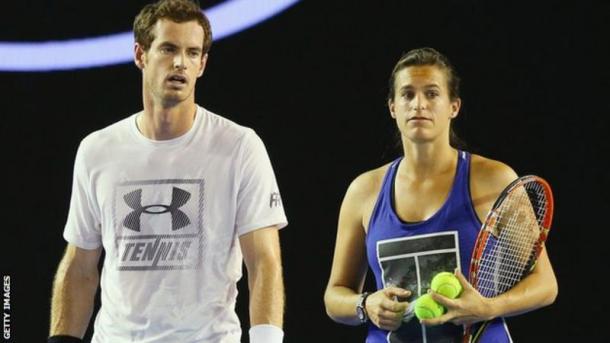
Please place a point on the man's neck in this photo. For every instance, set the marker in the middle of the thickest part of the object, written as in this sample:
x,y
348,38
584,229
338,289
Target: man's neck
x,y
159,122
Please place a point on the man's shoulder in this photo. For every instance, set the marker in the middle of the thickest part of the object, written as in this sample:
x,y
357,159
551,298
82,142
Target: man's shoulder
x,y
107,136
231,133
221,123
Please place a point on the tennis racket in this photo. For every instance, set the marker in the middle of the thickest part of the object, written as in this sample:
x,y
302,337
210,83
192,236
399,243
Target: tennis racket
x,y
510,239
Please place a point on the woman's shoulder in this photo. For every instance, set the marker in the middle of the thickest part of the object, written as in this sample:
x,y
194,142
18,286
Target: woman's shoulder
x,y
489,175
369,182
362,194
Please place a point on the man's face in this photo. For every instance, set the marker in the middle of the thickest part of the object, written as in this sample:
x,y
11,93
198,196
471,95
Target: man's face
x,y
421,105
173,62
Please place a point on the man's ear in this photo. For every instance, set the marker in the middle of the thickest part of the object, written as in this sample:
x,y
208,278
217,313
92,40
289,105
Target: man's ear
x,y
139,56
204,61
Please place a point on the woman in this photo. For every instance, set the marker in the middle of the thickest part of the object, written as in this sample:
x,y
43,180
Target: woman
x,y
420,215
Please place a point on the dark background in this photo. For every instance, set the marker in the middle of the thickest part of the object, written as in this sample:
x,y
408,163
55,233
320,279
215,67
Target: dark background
x,y
312,83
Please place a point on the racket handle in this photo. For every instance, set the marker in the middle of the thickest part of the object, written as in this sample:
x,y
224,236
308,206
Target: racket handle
x,y
479,333
467,335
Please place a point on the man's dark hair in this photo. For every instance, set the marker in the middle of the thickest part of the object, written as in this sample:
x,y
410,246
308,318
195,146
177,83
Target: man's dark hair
x,y
178,11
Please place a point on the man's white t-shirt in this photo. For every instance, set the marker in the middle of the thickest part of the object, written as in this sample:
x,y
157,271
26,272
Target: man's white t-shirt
x,y
169,215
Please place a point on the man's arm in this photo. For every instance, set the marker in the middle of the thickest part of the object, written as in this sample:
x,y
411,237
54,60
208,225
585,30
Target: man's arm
x,y
74,289
261,251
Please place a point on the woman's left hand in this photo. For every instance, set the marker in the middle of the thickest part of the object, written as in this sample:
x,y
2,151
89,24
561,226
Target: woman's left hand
x,y
470,307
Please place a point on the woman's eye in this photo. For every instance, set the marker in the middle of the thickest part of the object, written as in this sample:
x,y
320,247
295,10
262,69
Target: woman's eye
x,y
408,95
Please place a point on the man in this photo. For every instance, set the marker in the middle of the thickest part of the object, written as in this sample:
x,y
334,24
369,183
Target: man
x,y
175,195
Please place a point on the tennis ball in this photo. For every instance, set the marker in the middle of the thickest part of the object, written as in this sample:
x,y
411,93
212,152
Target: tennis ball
x,y
446,284
426,308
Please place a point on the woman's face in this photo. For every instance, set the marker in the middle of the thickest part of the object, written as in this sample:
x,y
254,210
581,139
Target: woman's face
x,y
421,105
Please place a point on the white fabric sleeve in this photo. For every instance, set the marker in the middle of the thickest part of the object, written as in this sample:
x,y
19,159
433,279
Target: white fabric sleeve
x,y
83,224
259,203
266,333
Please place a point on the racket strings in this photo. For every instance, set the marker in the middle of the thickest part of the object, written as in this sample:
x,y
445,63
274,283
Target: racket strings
x,y
498,274
537,196
509,249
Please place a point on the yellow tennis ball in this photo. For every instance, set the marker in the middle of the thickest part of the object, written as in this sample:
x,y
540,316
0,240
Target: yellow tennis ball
x,y
426,308
446,284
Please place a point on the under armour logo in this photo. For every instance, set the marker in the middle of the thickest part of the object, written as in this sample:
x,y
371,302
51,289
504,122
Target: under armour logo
x,y
275,200
134,201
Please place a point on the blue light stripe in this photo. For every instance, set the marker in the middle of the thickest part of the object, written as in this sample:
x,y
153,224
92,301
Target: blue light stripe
x,y
227,18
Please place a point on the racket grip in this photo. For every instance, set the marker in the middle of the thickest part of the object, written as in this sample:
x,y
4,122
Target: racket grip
x,y
467,335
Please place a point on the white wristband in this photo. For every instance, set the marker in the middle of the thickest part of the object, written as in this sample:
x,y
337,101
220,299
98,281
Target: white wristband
x,y
266,333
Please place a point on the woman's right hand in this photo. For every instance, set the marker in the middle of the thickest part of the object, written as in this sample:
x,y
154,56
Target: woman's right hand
x,y
383,308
